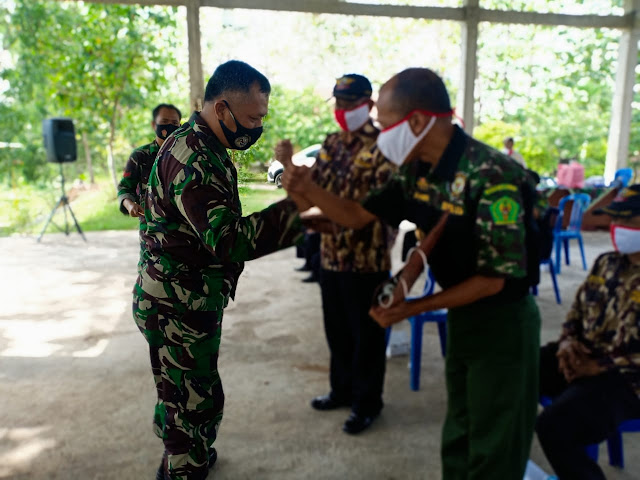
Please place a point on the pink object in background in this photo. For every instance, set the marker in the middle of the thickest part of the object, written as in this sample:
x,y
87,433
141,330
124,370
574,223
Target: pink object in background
x,y
571,176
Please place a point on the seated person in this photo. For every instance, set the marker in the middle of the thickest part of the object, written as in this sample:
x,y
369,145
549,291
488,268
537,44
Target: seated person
x,y
593,371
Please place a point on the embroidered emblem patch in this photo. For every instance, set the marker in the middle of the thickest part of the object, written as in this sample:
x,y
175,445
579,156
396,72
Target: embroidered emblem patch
x,y
457,187
423,197
451,208
500,188
422,184
504,211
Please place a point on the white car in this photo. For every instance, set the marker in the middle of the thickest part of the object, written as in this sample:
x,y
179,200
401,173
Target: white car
x,y
303,157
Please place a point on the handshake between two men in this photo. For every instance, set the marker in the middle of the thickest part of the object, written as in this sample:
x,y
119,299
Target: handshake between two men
x,y
323,211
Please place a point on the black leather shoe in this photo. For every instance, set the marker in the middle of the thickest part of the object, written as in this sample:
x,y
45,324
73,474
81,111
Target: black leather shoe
x,y
310,279
327,402
357,423
303,268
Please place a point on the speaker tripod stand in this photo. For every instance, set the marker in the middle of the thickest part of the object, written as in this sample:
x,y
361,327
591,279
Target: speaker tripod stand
x,y
63,203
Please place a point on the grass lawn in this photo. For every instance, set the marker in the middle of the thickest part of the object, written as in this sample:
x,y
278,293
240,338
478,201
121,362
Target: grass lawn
x,y
25,210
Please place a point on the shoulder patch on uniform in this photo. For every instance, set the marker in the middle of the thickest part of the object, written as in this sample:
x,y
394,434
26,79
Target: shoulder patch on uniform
x,y
635,296
501,187
504,211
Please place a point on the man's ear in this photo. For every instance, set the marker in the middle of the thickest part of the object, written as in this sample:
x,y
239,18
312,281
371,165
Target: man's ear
x,y
371,103
153,126
219,108
418,122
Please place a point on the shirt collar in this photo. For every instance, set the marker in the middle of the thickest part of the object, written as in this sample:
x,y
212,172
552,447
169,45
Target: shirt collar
x,y
448,164
205,133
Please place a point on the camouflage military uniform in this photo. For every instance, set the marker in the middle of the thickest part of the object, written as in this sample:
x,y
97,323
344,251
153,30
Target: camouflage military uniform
x,y
133,184
492,344
354,263
196,241
605,317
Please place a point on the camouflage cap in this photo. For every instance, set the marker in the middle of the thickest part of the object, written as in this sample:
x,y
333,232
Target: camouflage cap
x,y
625,205
352,87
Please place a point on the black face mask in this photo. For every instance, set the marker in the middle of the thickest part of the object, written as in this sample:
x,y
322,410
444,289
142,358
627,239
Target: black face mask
x,y
163,131
243,137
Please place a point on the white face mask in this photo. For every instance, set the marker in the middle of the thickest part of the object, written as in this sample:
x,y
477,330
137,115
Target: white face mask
x,y
397,141
625,239
354,119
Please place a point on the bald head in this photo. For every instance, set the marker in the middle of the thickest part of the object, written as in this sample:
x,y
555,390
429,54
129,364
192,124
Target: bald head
x,y
417,88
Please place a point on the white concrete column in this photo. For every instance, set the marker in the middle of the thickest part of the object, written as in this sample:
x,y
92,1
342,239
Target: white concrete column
x,y
468,64
196,79
620,127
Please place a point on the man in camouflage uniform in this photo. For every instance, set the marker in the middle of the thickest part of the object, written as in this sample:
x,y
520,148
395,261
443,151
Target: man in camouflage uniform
x,y
480,262
131,189
196,241
353,262
593,372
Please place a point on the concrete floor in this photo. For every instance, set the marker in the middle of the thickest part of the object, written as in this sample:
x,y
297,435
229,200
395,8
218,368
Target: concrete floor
x,y
77,395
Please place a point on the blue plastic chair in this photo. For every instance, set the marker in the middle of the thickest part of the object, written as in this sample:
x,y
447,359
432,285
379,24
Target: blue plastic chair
x,y
554,280
550,219
614,442
417,322
623,176
562,236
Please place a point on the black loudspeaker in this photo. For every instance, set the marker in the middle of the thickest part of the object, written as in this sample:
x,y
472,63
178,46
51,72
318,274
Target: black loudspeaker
x,y
59,140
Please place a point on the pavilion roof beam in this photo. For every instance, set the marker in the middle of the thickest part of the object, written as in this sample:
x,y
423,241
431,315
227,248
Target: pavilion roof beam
x,y
459,14
432,13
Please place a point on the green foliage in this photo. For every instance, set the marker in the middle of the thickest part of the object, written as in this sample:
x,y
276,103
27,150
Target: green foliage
x,y
26,209
302,116
101,65
553,86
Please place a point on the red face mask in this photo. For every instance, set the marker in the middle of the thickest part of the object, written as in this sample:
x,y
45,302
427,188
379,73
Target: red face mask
x,y
352,119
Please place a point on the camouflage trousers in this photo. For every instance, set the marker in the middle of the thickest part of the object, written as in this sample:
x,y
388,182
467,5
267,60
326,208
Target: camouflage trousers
x,y
183,348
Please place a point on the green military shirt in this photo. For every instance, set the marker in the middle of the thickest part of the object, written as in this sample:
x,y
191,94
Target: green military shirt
x,y
350,165
134,181
196,237
482,190
605,315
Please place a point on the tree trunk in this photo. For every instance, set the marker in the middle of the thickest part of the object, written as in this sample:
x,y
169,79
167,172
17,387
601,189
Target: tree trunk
x,y
110,160
87,154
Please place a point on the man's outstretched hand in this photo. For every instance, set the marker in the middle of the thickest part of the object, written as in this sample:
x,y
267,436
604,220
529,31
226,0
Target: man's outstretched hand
x,y
295,179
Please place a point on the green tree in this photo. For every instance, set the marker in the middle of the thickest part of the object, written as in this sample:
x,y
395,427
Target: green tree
x,y
91,62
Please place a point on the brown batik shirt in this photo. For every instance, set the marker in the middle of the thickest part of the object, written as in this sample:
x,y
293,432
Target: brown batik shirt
x,y
350,165
605,315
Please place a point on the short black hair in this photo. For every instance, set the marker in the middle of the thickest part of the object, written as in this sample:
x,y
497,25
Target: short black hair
x,y
234,76
509,139
420,88
156,110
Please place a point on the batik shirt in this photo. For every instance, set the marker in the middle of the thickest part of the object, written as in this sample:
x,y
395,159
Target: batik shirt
x,y
349,165
605,315
482,190
134,181
196,237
